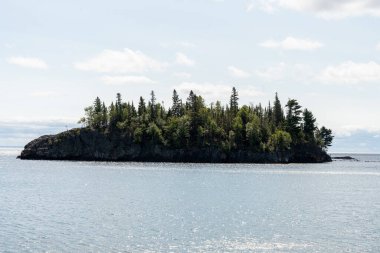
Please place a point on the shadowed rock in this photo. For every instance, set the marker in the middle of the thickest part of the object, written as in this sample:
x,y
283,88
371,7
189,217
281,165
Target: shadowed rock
x,y
348,158
84,144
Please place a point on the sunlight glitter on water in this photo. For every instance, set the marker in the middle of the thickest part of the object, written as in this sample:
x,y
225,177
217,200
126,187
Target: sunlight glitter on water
x,y
60,206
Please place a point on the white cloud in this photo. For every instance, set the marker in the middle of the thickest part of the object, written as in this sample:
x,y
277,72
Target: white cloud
x,y
236,72
182,59
127,60
268,6
344,73
284,71
211,92
291,43
250,6
28,62
204,89
183,75
327,9
351,73
119,80
378,47
349,130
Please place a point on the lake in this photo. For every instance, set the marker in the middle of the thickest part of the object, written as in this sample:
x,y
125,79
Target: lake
x,y
60,206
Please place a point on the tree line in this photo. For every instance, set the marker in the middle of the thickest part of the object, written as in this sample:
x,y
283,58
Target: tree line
x,y
191,123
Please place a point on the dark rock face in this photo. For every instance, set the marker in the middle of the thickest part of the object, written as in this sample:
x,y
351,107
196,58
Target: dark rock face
x,y
349,158
88,145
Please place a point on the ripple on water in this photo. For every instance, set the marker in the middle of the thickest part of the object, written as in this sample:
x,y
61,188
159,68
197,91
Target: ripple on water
x,y
54,206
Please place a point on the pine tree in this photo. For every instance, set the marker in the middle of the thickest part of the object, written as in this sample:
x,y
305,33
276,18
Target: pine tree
x,y
118,107
104,116
278,114
177,105
97,114
152,105
133,110
190,102
293,119
326,136
309,125
225,127
97,105
141,107
112,116
234,105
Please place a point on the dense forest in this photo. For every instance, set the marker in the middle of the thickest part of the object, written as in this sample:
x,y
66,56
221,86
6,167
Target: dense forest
x,y
191,123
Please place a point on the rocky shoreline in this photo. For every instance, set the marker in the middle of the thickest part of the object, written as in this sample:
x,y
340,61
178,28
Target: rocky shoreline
x,y
83,144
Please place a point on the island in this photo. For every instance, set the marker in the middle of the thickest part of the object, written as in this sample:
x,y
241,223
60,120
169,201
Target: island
x,y
189,131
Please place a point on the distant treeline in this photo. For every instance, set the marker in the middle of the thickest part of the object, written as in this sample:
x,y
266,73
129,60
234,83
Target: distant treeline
x,y
194,124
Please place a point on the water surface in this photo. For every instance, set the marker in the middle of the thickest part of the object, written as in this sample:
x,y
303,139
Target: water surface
x,y
55,206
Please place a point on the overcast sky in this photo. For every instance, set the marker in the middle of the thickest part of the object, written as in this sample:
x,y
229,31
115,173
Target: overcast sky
x,y
57,56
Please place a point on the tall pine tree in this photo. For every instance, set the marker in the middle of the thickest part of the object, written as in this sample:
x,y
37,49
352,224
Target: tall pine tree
x,y
234,105
141,109
309,126
177,105
293,119
278,114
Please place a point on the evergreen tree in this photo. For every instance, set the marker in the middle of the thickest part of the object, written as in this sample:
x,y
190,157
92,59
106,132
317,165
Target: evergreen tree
x,y
141,110
134,112
152,106
97,114
278,114
104,115
118,107
309,125
177,105
234,105
293,119
190,102
97,105
326,137
223,127
112,116
269,113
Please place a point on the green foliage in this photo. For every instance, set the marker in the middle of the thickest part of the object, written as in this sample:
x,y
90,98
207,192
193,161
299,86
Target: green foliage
x,y
278,113
194,124
138,135
177,132
325,137
141,109
234,106
176,109
309,126
293,119
154,134
152,106
237,127
253,130
280,141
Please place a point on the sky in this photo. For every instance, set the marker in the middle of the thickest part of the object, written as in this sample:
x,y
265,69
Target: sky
x,y
57,56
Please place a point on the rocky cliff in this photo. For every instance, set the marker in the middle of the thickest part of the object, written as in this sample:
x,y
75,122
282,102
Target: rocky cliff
x,y
84,144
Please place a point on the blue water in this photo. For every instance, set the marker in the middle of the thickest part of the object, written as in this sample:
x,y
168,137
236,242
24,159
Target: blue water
x,y
48,206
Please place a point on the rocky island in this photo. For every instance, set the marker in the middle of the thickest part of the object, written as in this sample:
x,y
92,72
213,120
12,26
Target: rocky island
x,y
189,132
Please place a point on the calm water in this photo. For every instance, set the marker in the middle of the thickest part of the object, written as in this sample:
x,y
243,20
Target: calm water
x,y
143,207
